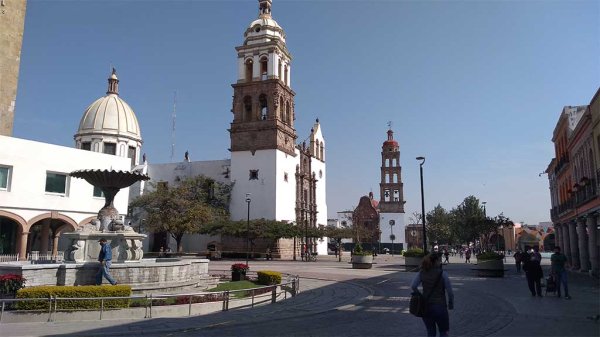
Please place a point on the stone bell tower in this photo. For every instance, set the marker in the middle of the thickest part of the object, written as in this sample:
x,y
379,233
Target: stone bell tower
x,y
391,204
263,101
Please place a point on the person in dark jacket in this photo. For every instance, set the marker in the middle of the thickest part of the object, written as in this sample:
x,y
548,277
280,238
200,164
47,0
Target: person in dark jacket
x,y
533,271
436,285
105,259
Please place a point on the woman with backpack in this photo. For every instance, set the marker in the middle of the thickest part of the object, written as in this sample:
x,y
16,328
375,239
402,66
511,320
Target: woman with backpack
x,y
436,285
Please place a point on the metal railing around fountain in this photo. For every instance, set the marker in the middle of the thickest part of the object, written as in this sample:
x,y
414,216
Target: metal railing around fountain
x,y
150,304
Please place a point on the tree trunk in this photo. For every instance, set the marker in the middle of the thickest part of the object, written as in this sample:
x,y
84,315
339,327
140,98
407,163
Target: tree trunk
x,y
178,239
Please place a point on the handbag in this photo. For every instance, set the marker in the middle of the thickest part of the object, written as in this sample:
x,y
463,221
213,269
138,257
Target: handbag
x,y
418,302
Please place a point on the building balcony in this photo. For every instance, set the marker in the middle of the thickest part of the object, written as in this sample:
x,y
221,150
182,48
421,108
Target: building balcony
x,y
561,164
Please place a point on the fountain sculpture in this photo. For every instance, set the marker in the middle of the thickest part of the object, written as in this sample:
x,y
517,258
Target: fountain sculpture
x,y
125,242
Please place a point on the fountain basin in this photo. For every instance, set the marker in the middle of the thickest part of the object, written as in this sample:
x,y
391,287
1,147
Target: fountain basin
x,y
84,246
144,276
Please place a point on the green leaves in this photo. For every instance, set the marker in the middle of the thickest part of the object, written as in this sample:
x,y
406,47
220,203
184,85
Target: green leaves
x,y
186,207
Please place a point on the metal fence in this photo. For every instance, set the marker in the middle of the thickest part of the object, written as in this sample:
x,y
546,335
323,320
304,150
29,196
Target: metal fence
x,y
249,298
35,257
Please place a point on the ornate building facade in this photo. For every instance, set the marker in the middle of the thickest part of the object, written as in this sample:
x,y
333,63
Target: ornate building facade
x,y
575,185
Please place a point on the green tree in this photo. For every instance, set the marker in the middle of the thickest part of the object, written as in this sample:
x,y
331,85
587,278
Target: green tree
x,y
468,221
438,226
338,234
184,208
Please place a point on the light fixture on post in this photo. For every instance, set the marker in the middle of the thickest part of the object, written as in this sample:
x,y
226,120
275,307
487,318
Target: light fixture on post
x,y
484,212
392,236
248,200
423,205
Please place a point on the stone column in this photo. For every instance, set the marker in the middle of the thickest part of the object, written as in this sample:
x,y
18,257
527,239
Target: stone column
x,y
566,249
55,244
44,236
23,246
574,245
593,242
584,260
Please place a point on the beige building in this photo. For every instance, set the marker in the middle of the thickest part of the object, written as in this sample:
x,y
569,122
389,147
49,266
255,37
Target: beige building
x,y
12,22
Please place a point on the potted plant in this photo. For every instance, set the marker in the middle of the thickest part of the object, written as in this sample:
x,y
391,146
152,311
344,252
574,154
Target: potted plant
x,y
9,284
490,264
238,271
361,259
413,257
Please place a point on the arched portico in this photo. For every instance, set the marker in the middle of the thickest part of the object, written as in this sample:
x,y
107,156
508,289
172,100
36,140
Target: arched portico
x,y
11,228
43,233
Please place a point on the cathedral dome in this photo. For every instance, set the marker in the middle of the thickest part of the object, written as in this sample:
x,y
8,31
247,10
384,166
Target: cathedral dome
x,y
110,115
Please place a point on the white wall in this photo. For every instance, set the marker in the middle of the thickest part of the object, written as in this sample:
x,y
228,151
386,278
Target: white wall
x,y
30,160
263,190
399,227
286,191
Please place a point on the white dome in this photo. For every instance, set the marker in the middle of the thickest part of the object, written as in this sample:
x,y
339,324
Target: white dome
x,y
264,21
110,115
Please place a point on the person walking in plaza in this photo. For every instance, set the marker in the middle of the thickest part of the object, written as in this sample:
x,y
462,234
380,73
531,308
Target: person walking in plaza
x,y
105,258
558,262
517,257
446,256
533,271
436,285
468,256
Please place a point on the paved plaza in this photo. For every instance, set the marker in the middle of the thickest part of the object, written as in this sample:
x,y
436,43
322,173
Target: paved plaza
x,y
336,300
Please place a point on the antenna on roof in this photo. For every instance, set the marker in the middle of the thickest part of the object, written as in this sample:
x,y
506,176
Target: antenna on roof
x,y
173,117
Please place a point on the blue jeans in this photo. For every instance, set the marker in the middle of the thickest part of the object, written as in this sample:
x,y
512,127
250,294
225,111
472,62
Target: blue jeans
x,y
561,277
436,314
104,271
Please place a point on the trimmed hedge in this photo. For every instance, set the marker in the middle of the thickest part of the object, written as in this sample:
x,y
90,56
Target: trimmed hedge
x,y
46,292
414,252
268,277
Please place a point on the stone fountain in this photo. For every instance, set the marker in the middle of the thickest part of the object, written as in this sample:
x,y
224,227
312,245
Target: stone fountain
x,y
125,242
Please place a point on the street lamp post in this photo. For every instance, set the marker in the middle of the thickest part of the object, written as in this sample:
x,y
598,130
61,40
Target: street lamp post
x,y
484,212
248,229
392,236
423,204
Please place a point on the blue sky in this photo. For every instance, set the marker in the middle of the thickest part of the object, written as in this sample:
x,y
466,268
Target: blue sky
x,y
474,86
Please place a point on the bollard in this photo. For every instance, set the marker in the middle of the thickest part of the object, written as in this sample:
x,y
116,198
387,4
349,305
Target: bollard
x,y
146,307
274,294
2,312
150,305
101,307
226,300
252,297
190,307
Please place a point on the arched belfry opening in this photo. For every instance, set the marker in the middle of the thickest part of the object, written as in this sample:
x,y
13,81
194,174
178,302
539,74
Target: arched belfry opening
x,y
264,68
264,113
247,108
249,66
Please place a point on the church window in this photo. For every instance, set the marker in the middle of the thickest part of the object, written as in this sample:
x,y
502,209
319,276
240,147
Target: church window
x,y
287,112
281,109
285,75
253,175
110,148
257,28
249,70
247,108
321,152
263,68
131,154
317,149
262,99
285,176
395,178
86,146
320,173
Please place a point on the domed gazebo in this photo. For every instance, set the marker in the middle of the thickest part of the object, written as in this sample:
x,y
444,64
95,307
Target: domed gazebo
x,y
109,125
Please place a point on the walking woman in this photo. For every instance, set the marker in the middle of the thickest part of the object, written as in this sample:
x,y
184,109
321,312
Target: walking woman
x,y
436,285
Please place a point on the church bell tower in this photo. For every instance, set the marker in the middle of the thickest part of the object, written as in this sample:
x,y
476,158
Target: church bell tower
x,y
263,101
391,204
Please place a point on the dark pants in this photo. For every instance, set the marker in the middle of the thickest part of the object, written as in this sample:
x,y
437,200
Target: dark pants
x,y
561,278
535,285
436,315
518,263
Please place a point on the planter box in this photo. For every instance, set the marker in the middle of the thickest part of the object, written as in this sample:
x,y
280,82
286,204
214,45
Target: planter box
x,y
490,268
238,276
362,261
413,261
